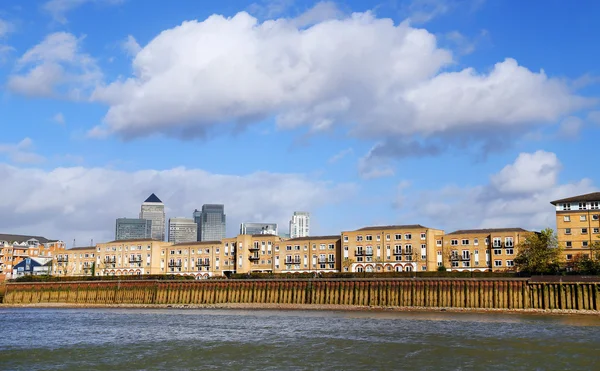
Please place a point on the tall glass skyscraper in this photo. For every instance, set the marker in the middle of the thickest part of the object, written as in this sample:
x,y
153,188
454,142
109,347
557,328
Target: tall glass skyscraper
x,y
133,229
211,222
154,209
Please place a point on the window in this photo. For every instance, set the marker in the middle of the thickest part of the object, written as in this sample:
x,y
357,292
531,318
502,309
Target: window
x,y
595,205
398,237
510,263
582,205
582,218
369,238
569,256
345,238
466,255
510,251
466,264
359,238
584,244
567,230
497,242
497,263
454,242
569,244
596,230
487,241
407,236
465,242
438,242
423,236
508,242
378,238
567,218
497,252
387,237
584,230
566,206
595,216
476,241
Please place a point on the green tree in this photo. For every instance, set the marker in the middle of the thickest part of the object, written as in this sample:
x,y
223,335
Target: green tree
x,y
539,253
588,264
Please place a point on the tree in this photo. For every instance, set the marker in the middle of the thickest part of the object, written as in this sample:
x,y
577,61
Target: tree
x,y
539,253
347,263
588,264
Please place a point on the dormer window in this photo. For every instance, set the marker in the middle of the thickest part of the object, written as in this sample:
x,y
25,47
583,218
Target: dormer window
x,y
566,206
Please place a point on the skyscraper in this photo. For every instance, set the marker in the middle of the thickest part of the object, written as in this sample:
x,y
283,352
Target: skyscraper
x,y
153,209
182,230
300,224
130,229
211,222
258,228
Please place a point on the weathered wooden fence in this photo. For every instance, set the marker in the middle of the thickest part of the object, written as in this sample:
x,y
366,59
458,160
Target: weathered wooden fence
x,y
439,293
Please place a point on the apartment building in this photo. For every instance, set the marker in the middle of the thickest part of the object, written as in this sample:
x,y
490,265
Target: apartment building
x,y
308,254
77,261
15,248
129,257
578,223
479,250
390,248
201,259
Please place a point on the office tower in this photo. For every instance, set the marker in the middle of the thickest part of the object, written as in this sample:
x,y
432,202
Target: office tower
x,y
182,230
300,224
133,229
211,222
258,228
153,209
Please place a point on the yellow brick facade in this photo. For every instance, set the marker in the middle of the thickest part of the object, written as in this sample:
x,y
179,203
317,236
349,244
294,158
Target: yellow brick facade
x,y
390,248
308,255
577,224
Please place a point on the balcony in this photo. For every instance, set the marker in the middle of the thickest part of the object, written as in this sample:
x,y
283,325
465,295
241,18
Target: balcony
x,y
62,259
254,257
254,248
136,260
369,253
360,253
202,263
397,252
326,261
173,264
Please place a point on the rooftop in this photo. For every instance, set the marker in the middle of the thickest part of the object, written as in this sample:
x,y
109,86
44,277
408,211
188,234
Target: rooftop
x,y
153,199
487,231
21,238
386,227
82,248
312,238
133,240
595,196
198,243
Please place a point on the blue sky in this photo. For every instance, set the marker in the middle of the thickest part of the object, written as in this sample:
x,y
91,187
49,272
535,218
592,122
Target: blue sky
x,y
449,113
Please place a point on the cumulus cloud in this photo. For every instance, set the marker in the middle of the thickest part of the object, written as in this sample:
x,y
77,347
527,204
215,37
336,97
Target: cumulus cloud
x,y
55,67
58,9
519,195
21,152
83,203
131,46
379,79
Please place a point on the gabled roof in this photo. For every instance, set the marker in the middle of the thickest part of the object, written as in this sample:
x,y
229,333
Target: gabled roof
x,y
312,238
20,238
487,231
595,196
153,199
386,227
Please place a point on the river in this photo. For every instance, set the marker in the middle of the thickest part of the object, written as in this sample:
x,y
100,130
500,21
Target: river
x,y
210,339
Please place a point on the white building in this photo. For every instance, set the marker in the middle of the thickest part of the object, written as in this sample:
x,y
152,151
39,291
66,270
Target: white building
x,y
182,230
153,209
300,224
258,228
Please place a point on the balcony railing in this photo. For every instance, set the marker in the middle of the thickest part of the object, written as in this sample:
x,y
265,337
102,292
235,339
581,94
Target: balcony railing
x,y
202,263
326,261
61,259
135,260
254,257
359,253
254,248
174,264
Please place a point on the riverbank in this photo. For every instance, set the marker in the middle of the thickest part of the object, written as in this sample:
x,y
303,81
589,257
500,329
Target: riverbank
x,y
316,307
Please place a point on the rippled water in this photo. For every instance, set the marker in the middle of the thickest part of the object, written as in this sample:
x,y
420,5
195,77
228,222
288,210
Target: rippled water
x,y
190,339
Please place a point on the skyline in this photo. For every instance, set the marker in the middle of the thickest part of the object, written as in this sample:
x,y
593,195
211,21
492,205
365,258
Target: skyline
x,y
438,113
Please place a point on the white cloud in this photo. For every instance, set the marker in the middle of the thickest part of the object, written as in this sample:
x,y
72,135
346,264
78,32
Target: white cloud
x,y
570,127
518,196
270,8
465,45
340,155
59,118
58,9
421,11
21,152
5,27
55,67
594,117
377,78
131,46
83,203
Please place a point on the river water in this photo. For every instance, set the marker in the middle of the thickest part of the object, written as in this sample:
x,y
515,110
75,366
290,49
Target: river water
x,y
207,339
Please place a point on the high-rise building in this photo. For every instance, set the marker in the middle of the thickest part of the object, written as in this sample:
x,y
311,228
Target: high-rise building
x,y
258,228
129,229
211,222
300,224
153,209
182,230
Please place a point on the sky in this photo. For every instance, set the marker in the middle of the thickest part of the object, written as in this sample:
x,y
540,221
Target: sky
x,y
453,114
